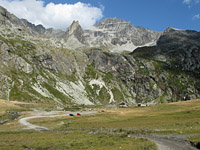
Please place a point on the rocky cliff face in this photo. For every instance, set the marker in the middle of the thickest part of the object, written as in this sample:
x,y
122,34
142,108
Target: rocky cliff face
x,y
36,64
117,35
8,19
179,49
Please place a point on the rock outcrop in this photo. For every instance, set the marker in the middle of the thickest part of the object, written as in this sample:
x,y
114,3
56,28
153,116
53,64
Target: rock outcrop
x,y
117,35
179,49
7,19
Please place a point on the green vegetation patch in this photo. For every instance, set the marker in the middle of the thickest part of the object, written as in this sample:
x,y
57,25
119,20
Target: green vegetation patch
x,y
108,77
195,139
104,96
91,72
118,96
72,140
182,118
144,52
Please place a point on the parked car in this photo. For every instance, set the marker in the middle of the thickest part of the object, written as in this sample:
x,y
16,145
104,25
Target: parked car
x,y
71,114
78,114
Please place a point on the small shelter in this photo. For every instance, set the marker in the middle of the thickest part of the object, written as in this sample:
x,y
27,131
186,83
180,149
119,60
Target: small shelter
x,y
123,105
142,105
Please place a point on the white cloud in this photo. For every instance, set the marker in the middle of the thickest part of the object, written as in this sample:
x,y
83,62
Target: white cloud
x,y
187,1
58,16
197,16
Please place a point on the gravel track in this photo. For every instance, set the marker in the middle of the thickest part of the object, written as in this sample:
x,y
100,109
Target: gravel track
x,y
42,114
168,142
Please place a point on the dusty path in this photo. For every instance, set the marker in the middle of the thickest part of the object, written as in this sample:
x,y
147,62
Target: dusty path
x,y
43,114
167,142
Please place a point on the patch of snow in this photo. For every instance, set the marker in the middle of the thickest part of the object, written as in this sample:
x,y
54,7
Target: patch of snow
x,y
102,84
125,47
153,43
97,82
129,47
155,87
111,96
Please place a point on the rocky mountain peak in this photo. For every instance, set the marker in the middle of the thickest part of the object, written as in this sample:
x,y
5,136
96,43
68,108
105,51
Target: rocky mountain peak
x,y
75,26
75,30
110,21
114,24
117,35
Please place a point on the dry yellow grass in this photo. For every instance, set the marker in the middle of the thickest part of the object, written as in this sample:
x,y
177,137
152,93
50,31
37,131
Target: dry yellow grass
x,y
180,117
8,105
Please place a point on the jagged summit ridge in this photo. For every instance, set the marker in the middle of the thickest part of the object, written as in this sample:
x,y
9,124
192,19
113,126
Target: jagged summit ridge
x,y
74,26
119,35
110,34
113,24
7,19
76,31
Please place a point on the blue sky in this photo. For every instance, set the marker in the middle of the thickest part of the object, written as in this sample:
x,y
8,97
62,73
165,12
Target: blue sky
x,y
153,14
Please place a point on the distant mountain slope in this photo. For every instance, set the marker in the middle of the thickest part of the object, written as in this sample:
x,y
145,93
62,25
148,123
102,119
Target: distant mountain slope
x,y
111,34
118,35
179,49
82,67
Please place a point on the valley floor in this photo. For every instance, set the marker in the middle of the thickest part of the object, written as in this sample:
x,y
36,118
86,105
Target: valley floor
x,y
161,127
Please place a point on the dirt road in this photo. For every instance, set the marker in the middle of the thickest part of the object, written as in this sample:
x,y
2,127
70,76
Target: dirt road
x,y
43,114
164,142
167,142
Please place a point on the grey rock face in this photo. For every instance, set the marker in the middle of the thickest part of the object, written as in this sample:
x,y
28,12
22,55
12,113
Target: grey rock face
x,y
181,48
174,36
35,29
76,30
147,80
6,18
119,35
178,52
